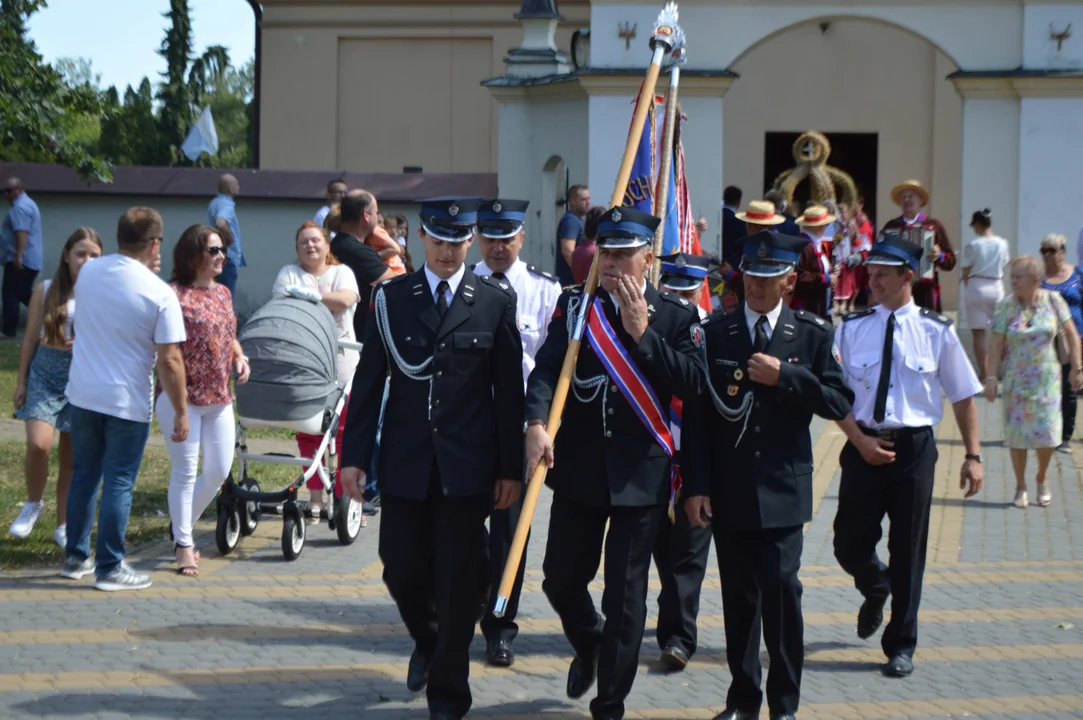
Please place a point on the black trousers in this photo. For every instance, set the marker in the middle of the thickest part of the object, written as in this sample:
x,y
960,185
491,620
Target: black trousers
x,y
902,490
18,287
430,550
1067,403
572,556
680,555
502,525
760,589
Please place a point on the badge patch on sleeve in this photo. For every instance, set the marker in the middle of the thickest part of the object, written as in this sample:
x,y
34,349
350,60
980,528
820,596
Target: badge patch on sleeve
x,y
699,337
836,354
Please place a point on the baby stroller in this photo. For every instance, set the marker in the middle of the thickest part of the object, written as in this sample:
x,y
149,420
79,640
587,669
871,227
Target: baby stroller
x,y
292,344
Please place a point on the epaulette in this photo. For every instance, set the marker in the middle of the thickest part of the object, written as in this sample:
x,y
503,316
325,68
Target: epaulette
x,y
573,289
542,273
855,315
812,319
488,279
677,299
942,319
395,279
716,316
472,267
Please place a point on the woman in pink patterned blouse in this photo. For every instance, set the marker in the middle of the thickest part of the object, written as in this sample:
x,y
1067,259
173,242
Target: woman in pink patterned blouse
x,y
210,353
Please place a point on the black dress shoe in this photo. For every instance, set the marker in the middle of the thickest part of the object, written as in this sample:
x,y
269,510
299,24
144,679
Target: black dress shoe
x,y
782,716
581,675
870,617
674,658
899,666
444,716
729,714
417,674
500,653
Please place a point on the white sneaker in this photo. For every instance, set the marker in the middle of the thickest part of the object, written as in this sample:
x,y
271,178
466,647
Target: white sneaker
x,y
28,518
60,536
75,569
123,577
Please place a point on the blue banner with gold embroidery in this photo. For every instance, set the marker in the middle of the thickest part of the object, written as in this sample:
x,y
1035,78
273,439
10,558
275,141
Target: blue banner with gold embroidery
x,y
640,192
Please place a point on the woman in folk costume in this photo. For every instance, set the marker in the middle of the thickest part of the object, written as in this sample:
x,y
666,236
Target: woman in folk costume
x,y
852,246
912,197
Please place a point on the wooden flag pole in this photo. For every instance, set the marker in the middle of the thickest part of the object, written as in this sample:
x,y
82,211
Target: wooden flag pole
x,y
661,196
662,42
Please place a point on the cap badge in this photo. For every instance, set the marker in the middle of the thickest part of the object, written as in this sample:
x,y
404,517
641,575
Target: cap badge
x,y
762,252
681,262
497,207
616,216
453,210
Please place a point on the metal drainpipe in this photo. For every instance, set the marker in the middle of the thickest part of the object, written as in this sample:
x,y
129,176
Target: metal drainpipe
x,y
257,73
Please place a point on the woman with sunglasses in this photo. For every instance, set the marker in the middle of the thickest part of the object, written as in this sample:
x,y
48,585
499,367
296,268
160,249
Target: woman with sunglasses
x,y
1064,278
210,353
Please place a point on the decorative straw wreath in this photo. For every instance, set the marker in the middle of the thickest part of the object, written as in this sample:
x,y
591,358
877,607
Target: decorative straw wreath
x,y
810,152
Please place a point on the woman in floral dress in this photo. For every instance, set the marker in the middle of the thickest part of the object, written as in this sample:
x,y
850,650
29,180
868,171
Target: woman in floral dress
x,y
1025,327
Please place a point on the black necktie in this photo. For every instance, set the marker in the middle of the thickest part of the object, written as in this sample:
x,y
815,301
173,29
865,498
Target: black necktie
x,y
885,372
441,298
760,339
499,276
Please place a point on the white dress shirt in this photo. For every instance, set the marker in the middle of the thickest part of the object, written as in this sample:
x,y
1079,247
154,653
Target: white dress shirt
x,y
536,298
453,282
987,257
752,317
927,360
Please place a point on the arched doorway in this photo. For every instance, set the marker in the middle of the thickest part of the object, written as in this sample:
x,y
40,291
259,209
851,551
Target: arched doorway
x,y
851,77
553,190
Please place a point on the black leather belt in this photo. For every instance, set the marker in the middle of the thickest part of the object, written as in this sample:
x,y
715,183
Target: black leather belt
x,y
893,434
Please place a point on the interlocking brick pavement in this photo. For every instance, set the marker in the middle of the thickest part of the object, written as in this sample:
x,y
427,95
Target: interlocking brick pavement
x,y
255,636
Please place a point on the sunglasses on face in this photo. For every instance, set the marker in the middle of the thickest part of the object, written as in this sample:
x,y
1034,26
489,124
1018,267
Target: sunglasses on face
x,y
1050,251
214,250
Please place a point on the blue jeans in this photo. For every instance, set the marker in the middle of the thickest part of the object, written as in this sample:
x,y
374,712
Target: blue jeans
x,y
372,489
228,276
106,453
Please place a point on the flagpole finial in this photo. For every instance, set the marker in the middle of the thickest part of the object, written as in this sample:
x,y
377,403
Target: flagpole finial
x,y
666,28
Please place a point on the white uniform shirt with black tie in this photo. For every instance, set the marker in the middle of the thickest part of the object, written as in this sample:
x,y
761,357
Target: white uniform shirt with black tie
x,y
927,363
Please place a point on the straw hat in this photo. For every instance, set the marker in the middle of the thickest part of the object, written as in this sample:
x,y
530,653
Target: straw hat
x,y
761,212
913,186
816,216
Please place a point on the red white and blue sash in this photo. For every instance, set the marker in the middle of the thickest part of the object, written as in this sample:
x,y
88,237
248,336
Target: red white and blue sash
x,y
634,387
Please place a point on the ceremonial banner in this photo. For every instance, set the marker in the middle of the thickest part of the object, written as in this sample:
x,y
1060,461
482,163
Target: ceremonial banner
x,y
639,194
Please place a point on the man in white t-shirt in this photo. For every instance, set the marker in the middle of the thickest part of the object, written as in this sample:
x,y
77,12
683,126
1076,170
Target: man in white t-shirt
x,y
129,321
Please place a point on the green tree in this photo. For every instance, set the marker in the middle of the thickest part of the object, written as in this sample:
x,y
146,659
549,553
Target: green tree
x,y
227,90
130,131
39,112
175,111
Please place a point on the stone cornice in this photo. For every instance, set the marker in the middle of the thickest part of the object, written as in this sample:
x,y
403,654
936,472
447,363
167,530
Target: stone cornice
x,y
1018,84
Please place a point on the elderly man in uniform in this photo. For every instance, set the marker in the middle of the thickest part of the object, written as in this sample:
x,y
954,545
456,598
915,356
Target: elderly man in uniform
x,y
452,432
747,455
898,358
500,238
681,550
911,197
759,215
614,452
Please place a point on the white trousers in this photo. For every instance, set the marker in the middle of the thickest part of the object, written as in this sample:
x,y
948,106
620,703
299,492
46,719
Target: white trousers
x,y
210,430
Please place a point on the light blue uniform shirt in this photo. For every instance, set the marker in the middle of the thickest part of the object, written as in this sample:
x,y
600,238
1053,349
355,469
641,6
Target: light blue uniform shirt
x,y
23,215
223,206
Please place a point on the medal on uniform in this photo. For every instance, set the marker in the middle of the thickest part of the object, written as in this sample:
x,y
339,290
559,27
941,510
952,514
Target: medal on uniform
x,y
738,374
732,390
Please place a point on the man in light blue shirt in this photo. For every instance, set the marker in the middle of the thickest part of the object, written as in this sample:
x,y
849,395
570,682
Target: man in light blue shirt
x,y
224,208
20,253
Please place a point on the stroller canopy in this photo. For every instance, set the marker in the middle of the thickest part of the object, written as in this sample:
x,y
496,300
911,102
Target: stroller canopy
x,y
292,345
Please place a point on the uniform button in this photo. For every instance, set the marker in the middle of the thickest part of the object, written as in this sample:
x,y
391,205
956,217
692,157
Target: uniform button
x,y
442,345
650,358
436,430
474,341
756,429
436,403
612,388
609,433
757,453
757,404
407,338
439,373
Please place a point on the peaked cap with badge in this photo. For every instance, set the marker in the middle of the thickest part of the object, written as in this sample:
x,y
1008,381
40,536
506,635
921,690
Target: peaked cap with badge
x,y
624,227
895,252
684,271
499,219
450,219
769,254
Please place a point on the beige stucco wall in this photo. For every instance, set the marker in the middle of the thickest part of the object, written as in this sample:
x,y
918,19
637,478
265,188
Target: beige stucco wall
x,y
858,76
375,86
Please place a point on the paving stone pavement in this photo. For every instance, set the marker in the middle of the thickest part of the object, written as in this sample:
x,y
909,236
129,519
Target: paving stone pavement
x,y
255,636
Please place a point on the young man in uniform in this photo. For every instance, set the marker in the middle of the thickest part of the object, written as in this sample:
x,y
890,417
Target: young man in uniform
x,y
898,358
450,343
681,549
614,451
500,238
748,453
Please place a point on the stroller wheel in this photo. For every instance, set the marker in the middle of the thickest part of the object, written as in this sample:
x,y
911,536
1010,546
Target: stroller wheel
x,y
348,517
228,530
250,512
293,532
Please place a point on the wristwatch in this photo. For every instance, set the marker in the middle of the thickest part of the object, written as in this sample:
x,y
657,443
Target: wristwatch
x,y
976,458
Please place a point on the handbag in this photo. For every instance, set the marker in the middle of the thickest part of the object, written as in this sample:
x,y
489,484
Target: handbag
x,y
1060,343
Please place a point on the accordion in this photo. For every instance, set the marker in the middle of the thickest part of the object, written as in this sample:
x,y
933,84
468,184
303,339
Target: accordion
x,y
923,236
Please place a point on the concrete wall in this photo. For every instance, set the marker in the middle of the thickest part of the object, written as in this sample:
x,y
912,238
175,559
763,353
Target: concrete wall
x,y
1050,155
1039,50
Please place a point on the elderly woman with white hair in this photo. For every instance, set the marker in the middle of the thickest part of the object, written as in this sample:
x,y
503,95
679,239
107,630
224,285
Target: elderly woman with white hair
x,y
1065,279
1025,329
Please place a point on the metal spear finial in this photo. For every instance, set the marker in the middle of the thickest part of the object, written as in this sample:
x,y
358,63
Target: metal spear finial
x,y
666,28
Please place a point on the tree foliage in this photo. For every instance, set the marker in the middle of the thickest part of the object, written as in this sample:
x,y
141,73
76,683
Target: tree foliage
x,y
175,112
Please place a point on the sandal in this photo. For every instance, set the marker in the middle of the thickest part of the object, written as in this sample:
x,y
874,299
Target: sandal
x,y
312,515
1044,496
1020,499
186,570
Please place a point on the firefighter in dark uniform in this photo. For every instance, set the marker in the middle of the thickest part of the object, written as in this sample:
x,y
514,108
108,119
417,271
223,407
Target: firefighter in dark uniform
x,y
901,360
613,451
681,550
747,463
449,340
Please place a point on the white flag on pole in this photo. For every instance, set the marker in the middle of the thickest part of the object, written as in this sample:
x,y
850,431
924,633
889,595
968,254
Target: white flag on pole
x,y
202,137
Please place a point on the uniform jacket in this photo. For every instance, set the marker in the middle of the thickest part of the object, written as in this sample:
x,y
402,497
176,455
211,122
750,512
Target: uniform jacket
x,y
603,453
765,480
471,425
927,292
